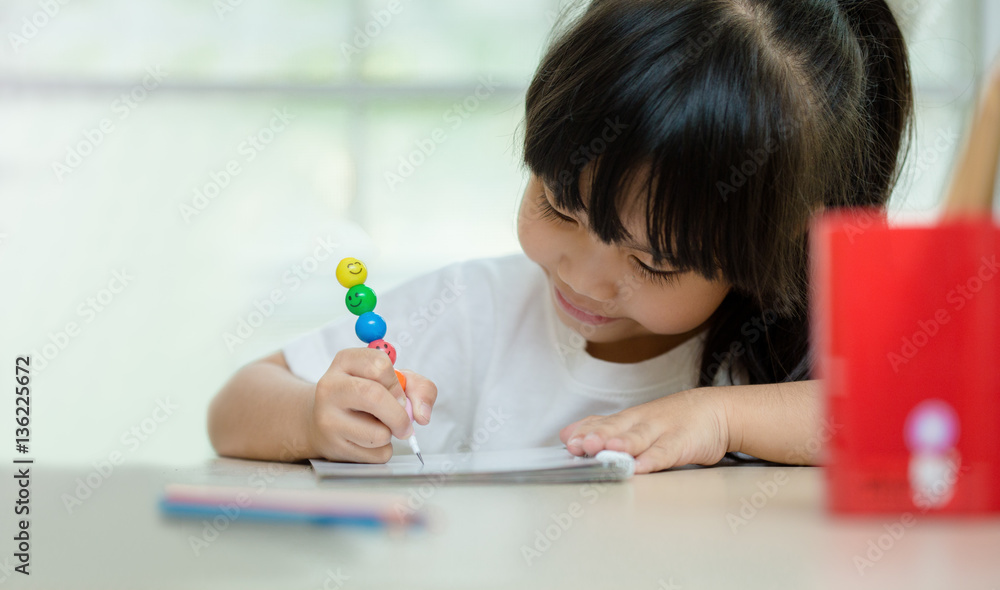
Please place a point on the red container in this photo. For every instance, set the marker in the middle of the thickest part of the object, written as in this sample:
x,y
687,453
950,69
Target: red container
x,y
906,325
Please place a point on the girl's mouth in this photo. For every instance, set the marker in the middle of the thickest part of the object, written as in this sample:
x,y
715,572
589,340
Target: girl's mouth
x,y
579,314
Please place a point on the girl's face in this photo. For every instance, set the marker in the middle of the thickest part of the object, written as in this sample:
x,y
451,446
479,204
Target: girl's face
x,y
626,308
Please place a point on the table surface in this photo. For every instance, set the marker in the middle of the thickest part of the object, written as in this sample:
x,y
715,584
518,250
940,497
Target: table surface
x,y
747,526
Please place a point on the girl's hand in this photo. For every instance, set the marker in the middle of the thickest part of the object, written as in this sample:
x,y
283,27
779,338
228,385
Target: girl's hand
x,y
686,427
359,405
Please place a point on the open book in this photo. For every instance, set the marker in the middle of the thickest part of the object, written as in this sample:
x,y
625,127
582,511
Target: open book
x,y
539,465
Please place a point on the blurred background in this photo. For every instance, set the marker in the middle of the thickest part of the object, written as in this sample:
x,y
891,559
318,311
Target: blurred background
x,y
165,167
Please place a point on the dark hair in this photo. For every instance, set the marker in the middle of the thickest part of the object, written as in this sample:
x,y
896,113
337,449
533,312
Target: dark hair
x,y
740,119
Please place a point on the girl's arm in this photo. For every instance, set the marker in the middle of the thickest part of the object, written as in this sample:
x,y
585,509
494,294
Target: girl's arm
x,y
261,413
781,422
778,422
266,412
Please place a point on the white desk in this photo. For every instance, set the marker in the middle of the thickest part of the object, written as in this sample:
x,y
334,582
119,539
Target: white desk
x,y
667,530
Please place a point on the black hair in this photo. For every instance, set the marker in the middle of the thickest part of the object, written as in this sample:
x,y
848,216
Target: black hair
x,y
741,119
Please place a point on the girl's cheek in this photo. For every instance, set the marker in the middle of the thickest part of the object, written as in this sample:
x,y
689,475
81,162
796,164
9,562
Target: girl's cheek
x,y
677,311
531,235
524,232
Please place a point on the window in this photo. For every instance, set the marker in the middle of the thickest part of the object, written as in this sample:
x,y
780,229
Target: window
x,y
216,148
950,42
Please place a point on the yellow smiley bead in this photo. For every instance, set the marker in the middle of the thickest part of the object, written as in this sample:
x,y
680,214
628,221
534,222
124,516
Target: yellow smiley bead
x,y
351,272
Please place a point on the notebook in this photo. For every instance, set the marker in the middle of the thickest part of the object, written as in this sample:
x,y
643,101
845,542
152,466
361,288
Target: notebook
x,y
538,465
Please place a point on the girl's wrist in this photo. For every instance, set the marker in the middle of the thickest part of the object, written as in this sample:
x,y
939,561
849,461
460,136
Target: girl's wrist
x,y
730,416
307,425
718,401
296,430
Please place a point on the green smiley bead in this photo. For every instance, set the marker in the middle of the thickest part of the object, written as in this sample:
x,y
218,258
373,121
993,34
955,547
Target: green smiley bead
x,y
360,299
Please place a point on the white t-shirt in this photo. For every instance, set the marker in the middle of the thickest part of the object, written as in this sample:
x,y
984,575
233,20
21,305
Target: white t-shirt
x,y
509,373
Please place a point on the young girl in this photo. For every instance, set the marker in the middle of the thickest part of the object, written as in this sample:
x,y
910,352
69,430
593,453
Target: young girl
x,y
677,151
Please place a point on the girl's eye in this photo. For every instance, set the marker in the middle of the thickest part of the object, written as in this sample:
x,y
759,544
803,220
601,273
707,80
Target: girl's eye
x,y
657,276
549,212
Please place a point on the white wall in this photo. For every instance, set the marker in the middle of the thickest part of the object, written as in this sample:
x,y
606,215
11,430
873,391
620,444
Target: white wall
x,y
63,236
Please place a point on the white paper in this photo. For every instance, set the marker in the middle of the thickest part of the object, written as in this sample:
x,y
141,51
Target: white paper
x,y
547,464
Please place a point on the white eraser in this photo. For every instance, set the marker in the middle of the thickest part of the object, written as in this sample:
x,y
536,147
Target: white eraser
x,y
622,461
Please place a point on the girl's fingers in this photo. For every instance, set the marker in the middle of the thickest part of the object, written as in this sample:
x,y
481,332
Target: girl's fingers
x,y
422,393
592,433
569,437
656,458
371,397
343,429
567,433
355,453
635,440
365,431
371,364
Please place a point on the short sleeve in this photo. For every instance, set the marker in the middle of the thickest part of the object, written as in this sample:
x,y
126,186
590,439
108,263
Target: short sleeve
x,y
309,355
438,322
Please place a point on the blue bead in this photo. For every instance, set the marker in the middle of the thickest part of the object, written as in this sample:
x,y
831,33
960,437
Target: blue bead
x,y
370,327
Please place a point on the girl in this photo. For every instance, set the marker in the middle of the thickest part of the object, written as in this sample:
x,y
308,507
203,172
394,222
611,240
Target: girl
x,y
677,150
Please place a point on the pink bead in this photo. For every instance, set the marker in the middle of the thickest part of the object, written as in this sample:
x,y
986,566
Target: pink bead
x,y
384,347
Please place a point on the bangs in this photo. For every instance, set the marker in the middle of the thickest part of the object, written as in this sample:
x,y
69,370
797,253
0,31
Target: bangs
x,y
675,114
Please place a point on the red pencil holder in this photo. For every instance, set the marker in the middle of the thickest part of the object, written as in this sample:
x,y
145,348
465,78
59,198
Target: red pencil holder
x,y
906,326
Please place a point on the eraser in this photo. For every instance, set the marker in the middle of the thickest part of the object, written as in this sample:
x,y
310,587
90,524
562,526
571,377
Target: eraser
x,y
622,461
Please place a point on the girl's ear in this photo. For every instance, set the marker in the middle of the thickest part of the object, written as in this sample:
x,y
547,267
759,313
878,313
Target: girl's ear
x,y
970,193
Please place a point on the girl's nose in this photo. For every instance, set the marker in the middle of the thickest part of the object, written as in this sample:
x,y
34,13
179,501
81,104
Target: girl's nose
x,y
589,272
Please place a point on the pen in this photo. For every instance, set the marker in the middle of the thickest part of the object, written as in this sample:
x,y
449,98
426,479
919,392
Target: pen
x,y
413,437
370,327
402,383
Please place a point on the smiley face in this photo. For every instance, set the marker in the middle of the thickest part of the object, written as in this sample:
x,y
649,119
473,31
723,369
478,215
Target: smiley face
x,y
351,272
360,299
386,348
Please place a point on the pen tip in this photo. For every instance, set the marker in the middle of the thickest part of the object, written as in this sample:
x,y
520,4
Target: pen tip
x,y
421,459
